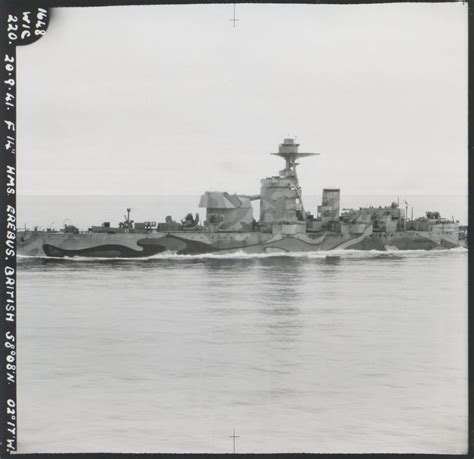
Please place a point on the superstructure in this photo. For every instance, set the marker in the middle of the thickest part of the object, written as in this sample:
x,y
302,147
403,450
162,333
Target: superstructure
x,y
284,225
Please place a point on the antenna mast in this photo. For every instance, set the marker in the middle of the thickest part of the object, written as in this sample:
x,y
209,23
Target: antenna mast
x,y
288,150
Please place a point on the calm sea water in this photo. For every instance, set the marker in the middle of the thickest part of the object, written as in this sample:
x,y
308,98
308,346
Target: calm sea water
x,y
169,354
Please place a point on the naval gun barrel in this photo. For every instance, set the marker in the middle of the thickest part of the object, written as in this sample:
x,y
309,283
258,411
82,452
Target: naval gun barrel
x,y
252,197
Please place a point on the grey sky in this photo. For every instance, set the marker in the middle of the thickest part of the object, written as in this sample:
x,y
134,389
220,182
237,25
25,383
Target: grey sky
x,y
173,99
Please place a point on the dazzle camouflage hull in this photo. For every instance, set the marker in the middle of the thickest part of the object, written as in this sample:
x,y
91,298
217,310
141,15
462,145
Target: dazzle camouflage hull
x,y
134,245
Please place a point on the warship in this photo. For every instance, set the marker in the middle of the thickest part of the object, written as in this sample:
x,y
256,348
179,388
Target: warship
x,y
229,226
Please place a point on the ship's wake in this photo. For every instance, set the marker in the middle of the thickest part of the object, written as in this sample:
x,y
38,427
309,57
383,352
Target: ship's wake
x,y
322,254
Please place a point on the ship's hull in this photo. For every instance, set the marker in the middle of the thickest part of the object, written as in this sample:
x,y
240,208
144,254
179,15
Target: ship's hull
x,y
134,245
